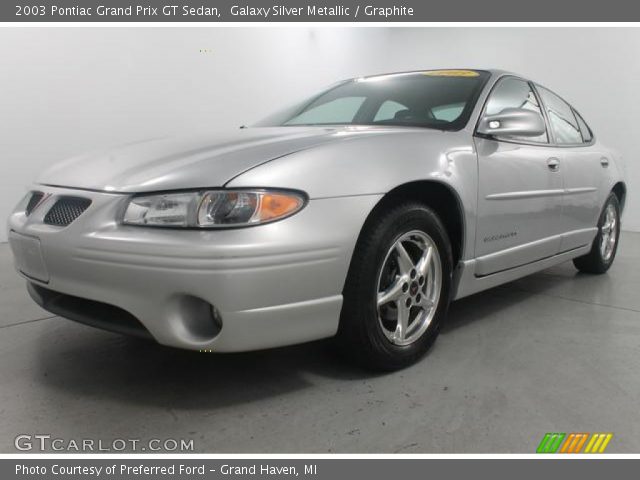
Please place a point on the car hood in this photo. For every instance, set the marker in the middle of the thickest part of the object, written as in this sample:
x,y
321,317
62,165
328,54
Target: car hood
x,y
198,161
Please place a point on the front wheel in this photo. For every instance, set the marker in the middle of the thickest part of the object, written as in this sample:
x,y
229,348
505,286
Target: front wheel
x,y
605,245
397,289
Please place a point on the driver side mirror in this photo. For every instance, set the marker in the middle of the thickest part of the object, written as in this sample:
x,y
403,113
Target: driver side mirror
x,y
513,121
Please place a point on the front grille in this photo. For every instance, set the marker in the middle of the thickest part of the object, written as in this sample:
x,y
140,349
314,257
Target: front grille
x,y
66,210
35,199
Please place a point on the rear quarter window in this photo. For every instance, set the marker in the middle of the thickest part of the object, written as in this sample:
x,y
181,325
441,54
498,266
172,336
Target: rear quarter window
x,y
587,135
564,124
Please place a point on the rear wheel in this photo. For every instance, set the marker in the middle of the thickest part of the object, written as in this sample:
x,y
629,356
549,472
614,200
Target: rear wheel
x,y
605,245
397,290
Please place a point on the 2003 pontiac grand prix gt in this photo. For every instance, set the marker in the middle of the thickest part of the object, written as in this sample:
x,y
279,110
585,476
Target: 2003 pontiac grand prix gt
x,y
361,212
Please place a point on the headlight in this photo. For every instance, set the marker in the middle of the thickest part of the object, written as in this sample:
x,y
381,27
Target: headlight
x,y
212,208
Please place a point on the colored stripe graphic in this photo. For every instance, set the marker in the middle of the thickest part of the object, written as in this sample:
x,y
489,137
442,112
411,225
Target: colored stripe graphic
x,y
550,443
568,445
573,442
598,443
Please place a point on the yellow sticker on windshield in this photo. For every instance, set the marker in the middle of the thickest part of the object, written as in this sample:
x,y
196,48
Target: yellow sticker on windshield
x,y
451,73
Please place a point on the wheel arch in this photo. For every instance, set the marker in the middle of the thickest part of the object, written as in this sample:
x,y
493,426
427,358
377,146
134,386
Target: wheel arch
x,y
620,190
439,196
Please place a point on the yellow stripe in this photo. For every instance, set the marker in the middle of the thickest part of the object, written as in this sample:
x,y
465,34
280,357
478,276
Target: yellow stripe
x,y
605,443
590,444
567,442
598,442
583,439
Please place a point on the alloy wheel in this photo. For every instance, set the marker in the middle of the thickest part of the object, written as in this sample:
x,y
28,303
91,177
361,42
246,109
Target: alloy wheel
x,y
408,288
609,233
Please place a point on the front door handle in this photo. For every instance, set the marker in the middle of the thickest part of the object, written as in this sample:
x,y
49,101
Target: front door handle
x,y
604,161
553,164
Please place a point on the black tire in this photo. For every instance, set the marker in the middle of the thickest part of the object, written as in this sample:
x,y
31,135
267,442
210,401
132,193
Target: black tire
x,y
360,334
594,261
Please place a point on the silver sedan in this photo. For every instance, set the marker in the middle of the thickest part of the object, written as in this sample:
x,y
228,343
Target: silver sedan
x,y
359,213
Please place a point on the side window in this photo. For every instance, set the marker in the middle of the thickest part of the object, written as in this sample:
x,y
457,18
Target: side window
x,y
563,122
388,110
587,136
514,93
340,110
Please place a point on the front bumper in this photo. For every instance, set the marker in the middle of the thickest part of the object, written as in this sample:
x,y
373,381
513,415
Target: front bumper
x,y
224,290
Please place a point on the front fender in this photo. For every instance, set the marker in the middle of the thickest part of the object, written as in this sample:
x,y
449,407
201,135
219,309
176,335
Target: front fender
x,y
375,165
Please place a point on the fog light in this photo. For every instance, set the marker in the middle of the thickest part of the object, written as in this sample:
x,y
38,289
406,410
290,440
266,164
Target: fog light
x,y
202,321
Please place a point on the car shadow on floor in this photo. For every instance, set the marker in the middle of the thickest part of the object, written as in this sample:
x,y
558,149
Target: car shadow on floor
x,y
91,363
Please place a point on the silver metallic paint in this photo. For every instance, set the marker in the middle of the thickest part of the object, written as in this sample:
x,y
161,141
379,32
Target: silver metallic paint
x,y
279,287
282,283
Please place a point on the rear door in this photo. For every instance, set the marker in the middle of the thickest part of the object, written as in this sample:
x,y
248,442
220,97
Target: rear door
x,y
520,189
581,165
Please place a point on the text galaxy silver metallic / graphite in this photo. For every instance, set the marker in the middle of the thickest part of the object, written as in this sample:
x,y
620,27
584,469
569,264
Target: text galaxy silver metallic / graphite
x,y
320,11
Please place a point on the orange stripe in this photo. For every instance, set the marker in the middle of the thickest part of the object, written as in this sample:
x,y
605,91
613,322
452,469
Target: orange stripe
x,y
576,439
581,442
567,442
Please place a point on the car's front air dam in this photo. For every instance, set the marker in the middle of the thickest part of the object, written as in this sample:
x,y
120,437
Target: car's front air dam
x,y
89,312
271,285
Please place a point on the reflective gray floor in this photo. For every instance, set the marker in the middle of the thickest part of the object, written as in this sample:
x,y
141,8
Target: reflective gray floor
x,y
557,351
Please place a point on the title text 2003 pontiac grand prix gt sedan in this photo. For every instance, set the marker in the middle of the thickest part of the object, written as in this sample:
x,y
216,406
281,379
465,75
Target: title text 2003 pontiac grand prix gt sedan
x,y
359,213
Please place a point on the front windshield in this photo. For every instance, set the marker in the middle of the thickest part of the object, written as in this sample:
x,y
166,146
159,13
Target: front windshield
x,y
441,99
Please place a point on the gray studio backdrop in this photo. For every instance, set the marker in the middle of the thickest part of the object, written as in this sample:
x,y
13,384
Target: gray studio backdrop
x,y
67,90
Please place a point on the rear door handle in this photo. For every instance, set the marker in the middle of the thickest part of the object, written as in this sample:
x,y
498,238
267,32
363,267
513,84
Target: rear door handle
x,y
604,161
553,164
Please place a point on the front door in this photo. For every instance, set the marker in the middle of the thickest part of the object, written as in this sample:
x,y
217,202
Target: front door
x,y
520,190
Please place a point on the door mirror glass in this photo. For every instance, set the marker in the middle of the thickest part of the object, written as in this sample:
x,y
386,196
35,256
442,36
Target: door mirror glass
x,y
518,122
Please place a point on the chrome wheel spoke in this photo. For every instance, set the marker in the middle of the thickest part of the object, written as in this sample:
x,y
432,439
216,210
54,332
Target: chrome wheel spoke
x,y
423,264
404,260
391,294
425,303
403,322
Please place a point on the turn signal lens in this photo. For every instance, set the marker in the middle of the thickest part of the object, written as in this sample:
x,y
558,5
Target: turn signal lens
x,y
212,208
277,205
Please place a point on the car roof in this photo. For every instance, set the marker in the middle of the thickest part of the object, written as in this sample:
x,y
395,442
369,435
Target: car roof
x,y
494,72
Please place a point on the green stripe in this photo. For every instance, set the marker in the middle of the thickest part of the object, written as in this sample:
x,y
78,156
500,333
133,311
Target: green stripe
x,y
543,443
552,439
557,443
551,442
